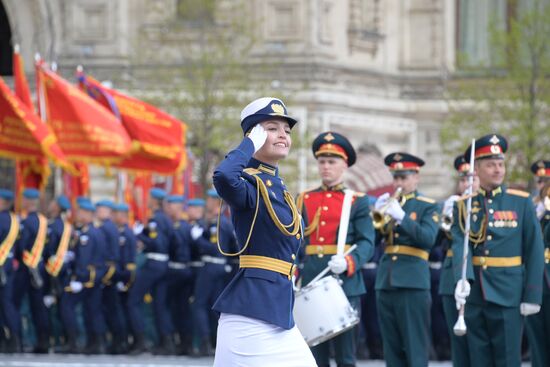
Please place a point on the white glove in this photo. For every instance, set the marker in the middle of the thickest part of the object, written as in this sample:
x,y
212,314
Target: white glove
x,y
258,135
448,206
48,300
527,309
462,291
338,264
381,201
120,286
69,256
196,232
396,211
75,286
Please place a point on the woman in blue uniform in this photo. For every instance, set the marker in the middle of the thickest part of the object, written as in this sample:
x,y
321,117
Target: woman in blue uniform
x,y
256,326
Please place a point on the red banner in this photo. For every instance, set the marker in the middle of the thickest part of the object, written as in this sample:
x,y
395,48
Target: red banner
x,y
78,184
23,134
87,132
136,194
158,139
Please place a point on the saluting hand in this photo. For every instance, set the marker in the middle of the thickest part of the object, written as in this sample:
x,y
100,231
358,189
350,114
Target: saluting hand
x,y
258,135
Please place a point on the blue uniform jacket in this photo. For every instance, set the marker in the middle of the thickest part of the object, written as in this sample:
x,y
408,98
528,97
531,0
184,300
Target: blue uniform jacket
x,y
110,232
207,243
127,243
257,293
5,225
55,232
180,244
89,263
157,233
28,232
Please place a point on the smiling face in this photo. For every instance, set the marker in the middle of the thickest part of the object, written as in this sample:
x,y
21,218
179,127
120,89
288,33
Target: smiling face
x,y
491,172
278,142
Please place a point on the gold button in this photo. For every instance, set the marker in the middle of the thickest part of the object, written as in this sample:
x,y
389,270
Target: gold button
x,y
482,260
325,208
323,222
489,237
269,183
486,252
293,257
491,211
394,258
298,236
321,239
490,224
329,195
484,267
306,196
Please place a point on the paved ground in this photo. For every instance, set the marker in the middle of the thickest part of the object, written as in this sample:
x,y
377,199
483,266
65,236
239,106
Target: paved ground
x,y
30,360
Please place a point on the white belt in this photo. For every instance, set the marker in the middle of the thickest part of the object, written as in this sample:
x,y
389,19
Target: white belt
x,y
156,256
436,265
196,264
175,265
214,260
369,266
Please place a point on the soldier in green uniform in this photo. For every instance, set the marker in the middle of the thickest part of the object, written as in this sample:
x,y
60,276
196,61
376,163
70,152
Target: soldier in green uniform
x,y
321,209
505,260
403,279
459,344
537,327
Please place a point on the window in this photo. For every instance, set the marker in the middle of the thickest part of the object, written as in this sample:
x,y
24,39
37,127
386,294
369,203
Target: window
x,y
196,11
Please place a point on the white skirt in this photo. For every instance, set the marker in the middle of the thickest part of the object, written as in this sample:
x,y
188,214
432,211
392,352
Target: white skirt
x,y
247,342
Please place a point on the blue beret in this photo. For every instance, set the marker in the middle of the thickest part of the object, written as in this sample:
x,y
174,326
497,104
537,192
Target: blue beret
x,y
121,207
31,194
213,194
263,109
85,203
6,194
106,203
63,202
196,202
174,199
334,144
157,193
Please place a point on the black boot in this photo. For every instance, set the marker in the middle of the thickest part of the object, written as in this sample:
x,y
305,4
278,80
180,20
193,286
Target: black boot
x,y
138,347
70,347
165,346
42,345
184,348
95,345
14,344
206,348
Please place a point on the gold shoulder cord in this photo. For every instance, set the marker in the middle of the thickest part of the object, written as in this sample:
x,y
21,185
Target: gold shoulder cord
x,y
315,221
261,188
475,237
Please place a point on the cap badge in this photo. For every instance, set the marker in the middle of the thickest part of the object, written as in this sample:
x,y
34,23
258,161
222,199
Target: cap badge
x,y
540,164
495,149
397,157
278,109
399,165
494,140
329,137
541,172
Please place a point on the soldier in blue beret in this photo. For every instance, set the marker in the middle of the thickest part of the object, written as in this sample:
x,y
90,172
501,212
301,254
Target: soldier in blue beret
x,y
256,323
459,346
155,241
197,202
212,277
408,227
113,312
505,260
9,230
86,266
29,277
126,264
321,209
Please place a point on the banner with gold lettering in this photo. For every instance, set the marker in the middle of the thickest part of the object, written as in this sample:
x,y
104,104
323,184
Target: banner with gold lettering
x,y
158,139
22,133
87,131
29,173
78,184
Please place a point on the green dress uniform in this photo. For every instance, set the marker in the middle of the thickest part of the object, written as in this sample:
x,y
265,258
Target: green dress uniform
x,y
505,262
459,344
403,278
321,210
537,327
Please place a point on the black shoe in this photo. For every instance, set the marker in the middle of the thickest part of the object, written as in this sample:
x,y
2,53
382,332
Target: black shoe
x,y
70,347
206,348
165,347
95,345
362,353
13,345
138,347
43,345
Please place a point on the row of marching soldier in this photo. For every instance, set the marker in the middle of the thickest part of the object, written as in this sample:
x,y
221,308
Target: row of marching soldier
x,y
93,261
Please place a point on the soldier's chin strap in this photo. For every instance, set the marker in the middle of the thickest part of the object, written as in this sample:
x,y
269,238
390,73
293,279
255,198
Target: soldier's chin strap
x,y
261,188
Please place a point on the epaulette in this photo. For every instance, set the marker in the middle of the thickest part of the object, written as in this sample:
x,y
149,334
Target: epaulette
x,y
425,199
252,171
521,193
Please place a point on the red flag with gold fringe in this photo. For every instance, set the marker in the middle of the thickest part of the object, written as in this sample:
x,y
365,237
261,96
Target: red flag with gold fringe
x,y
158,139
87,131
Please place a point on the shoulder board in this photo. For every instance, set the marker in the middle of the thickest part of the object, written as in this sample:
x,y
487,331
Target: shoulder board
x,y
523,194
252,171
359,194
425,199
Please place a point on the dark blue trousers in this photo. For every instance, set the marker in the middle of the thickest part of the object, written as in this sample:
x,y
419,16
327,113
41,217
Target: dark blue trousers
x,y
10,314
21,287
211,280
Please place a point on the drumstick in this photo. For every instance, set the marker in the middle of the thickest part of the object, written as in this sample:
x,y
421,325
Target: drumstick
x,y
327,269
